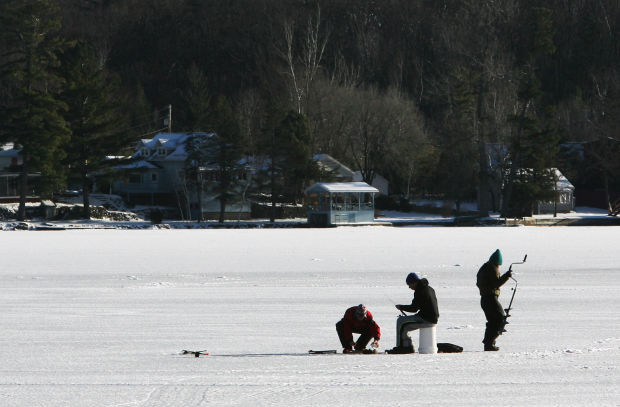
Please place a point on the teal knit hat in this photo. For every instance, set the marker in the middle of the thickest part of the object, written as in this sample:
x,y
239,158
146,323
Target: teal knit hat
x,y
496,257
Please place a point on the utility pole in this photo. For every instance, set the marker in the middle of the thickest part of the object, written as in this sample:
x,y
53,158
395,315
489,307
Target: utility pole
x,y
169,118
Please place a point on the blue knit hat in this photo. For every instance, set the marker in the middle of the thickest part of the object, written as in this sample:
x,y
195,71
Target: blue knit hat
x,y
496,258
412,278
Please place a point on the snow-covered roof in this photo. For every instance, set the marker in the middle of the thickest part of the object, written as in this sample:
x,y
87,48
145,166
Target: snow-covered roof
x,y
8,150
174,142
562,183
328,163
163,139
342,187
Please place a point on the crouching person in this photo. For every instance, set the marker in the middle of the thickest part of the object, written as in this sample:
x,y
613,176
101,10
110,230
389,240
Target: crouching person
x,y
425,304
358,320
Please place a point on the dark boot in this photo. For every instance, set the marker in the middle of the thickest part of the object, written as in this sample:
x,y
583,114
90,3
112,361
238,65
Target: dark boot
x,y
490,346
397,350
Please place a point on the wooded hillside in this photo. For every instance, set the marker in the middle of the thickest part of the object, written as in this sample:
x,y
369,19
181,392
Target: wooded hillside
x,y
413,90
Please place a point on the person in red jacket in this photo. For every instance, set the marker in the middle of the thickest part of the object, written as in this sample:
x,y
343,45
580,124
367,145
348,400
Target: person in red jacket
x,y
357,320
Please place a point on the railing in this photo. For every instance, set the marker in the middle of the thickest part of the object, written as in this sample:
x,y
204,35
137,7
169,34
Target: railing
x,y
344,207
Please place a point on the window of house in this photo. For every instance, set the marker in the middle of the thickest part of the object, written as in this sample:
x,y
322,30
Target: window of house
x,y
145,152
153,177
135,179
161,151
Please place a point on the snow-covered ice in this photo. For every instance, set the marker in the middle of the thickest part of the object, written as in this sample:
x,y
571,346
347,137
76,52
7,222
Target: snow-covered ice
x,y
99,317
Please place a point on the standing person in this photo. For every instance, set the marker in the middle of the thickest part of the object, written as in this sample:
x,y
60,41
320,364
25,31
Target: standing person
x,y
425,303
489,281
357,320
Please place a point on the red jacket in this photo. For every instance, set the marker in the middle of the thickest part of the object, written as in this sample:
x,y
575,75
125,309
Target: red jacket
x,y
350,324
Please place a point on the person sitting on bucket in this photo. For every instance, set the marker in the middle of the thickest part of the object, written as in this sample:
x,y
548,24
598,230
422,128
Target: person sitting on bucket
x,y
489,281
425,303
357,320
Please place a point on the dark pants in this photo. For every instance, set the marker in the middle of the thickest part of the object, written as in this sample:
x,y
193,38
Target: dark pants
x,y
361,342
496,319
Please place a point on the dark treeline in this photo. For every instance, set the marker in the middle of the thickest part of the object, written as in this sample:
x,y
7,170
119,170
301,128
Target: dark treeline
x,y
414,90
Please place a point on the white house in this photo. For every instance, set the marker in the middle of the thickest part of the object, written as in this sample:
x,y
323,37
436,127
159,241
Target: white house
x,y
565,201
155,174
498,161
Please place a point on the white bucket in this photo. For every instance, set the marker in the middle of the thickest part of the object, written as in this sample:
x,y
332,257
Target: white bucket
x,y
428,342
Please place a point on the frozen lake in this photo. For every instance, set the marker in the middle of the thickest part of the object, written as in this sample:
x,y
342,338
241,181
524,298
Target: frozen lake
x,y
98,317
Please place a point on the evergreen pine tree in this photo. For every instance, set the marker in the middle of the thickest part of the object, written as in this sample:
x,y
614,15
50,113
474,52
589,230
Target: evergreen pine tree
x,y
225,151
220,151
197,100
34,113
94,116
285,144
298,167
534,145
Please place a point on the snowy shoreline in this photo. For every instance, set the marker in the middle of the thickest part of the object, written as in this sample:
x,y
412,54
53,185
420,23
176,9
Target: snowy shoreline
x,y
582,217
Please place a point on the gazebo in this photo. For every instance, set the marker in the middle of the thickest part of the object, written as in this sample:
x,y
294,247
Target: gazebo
x,y
340,203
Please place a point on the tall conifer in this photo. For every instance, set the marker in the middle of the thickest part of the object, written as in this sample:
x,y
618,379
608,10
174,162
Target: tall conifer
x,y
94,116
33,116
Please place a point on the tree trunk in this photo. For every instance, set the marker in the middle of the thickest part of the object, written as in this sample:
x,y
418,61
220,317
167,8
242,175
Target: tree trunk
x,y
483,187
199,193
222,207
507,198
223,197
483,177
272,217
85,195
23,191
610,210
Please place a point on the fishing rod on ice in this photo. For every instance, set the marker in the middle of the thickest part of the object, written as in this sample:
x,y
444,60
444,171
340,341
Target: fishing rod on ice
x,y
394,302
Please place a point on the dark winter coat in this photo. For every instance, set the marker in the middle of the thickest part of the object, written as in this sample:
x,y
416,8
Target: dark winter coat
x,y
351,324
489,280
424,302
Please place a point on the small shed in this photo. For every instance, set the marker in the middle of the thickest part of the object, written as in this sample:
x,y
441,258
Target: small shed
x,y
340,203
